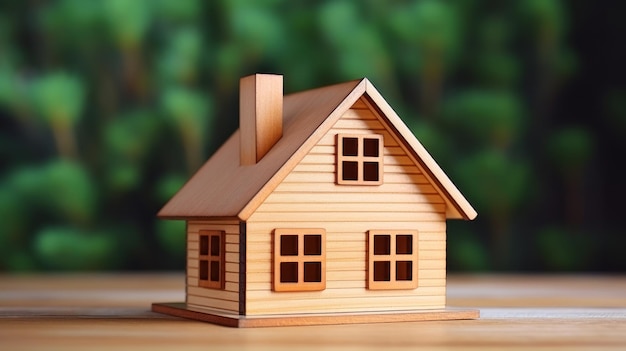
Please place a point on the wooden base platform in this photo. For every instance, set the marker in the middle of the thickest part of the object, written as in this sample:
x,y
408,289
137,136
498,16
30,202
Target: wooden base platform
x,y
181,309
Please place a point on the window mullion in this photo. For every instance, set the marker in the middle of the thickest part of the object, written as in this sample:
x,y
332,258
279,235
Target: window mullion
x,y
300,258
392,258
359,153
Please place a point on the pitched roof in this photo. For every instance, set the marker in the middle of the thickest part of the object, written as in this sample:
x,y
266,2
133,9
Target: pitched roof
x,y
224,188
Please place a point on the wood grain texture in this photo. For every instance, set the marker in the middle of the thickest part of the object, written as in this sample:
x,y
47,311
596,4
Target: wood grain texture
x,y
260,115
230,320
300,259
308,118
224,188
226,298
112,311
303,200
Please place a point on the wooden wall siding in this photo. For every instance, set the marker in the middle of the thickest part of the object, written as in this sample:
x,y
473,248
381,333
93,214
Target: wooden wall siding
x,y
227,299
309,198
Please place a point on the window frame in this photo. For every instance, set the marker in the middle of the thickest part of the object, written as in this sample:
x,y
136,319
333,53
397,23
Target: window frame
x,y
220,258
300,259
393,257
359,158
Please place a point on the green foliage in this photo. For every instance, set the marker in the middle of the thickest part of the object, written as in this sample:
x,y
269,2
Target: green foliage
x,y
168,234
352,38
466,252
168,186
571,149
107,108
187,109
14,221
494,182
61,188
434,27
7,84
486,117
129,140
127,21
70,249
561,249
59,98
436,143
69,190
179,61
72,22
545,18
183,11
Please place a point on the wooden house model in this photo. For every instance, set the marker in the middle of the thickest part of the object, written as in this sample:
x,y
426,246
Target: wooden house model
x,y
323,208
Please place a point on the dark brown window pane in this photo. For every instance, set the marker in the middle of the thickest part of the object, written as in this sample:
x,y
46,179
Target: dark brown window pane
x,y
288,272
289,245
312,244
404,244
204,270
313,272
370,147
215,245
382,244
382,271
370,171
350,146
215,271
404,270
204,244
350,170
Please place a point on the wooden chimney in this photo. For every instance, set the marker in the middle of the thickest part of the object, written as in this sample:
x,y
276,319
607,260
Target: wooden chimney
x,y
260,115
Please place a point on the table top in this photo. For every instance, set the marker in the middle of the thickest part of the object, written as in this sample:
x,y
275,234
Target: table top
x,y
112,311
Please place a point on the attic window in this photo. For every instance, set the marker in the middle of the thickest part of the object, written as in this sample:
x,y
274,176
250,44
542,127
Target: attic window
x,y
392,259
299,259
211,257
359,159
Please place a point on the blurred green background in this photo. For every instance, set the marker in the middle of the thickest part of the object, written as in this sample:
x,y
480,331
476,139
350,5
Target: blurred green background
x,y
107,107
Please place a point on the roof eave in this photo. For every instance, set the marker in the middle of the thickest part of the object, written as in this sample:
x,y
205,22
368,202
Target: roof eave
x,y
449,190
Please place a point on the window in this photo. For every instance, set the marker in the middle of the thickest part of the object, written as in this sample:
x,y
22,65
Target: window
x,y
392,259
299,259
211,258
359,159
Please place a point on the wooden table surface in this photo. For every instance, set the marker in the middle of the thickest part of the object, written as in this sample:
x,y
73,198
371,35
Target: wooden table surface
x,y
112,312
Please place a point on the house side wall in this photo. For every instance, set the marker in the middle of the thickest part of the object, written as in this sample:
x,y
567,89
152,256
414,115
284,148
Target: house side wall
x,y
227,299
309,198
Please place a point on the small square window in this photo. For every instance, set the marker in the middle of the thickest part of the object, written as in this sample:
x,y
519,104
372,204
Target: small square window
x,y
350,146
370,147
312,245
299,259
382,244
313,272
382,271
289,272
289,245
392,259
359,159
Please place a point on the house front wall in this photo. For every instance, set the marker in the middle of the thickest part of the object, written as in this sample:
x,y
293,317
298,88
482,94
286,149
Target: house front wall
x,y
310,198
226,299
